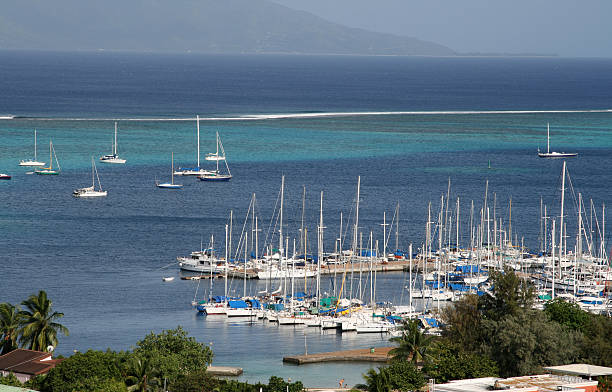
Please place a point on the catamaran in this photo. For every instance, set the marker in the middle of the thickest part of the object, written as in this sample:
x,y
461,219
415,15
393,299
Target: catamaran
x,y
194,171
113,158
170,185
49,170
90,191
217,156
32,162
553,154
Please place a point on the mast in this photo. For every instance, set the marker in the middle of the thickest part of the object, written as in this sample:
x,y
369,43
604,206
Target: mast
x,y
320,256
226,262
548,138
280,239
198,126
115,145
93,182
50,155
36,160
561,217
217,154
553,259
172,181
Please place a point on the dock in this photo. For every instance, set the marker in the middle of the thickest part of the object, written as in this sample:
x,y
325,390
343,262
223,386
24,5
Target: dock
x,y
378,354
224,371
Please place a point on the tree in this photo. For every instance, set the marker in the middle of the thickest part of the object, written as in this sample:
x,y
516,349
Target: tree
x,y
11,380
413,344
461,322
10,321
141,373
510,294
83,371
376,381
40,326
524,342
604,384
398,376
449,362
174,353
198,381
597,342
567,314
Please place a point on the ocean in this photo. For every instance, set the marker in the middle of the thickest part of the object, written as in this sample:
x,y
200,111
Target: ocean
x,y
404,125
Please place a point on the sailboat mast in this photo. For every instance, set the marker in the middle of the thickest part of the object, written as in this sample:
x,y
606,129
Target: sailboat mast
x,y
280,231
198,133
320,255
548,138
561,217
115,145
35,160
217,154
50,155
93,183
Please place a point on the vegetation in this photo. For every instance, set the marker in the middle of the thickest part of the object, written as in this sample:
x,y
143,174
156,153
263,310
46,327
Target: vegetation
x,y
35,327
497,334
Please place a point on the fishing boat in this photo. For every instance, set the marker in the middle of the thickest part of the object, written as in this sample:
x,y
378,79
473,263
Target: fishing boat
x,y
49,171
32,162
194,171
91,191
553,154
114,157
4,176
170,185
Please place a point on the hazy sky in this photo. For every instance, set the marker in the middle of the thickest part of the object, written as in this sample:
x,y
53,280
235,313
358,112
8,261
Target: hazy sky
x,y
563,27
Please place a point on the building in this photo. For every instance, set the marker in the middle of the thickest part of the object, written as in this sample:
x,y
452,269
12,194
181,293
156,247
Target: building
x,y
25,364
537,383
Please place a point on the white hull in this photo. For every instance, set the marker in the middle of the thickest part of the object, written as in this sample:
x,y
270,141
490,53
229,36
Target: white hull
x,y
112,160
77,193
190,172
231,312
215,309
169,186
373,328
31,163
287,320
203,268
285,274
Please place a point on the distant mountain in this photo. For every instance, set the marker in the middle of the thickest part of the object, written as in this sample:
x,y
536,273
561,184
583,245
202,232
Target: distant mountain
x,y
207,26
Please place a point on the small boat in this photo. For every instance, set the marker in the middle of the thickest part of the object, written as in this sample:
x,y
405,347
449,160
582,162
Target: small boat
x,y
90,191
113,158
32,162
49,171
4,176
168,278
194,171
170,185
553,154
217,156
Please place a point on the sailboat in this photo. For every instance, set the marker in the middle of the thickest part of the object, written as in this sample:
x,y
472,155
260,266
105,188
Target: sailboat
x,y
170,185
553,154
217,156
90,191
32,162
113,158
194,171
49,170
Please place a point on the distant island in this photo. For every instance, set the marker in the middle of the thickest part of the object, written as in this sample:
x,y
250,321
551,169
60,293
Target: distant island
x,y
204,26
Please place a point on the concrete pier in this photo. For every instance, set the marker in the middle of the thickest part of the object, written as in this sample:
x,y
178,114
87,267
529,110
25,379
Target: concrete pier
x,y
380,354
224,371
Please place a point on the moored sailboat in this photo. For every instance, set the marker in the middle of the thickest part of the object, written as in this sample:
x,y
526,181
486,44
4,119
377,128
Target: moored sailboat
x,y
49,171
219,155
90,191
114,157
32,162
170,185
553,154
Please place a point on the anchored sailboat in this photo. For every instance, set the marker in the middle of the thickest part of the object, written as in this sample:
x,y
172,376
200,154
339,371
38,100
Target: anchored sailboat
x,y
194,171
32,162
553,154
217,156
170,185
49,170
90,191
113,158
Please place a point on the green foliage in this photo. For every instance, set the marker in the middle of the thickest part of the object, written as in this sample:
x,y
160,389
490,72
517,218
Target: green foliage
x,y
35,383
40,326
597,343
11,380
604,384
413,344
83,371
567,314
400,375
10,322
174,353
449,362
523,342
510,294
277,384
142,373
462,321
198,381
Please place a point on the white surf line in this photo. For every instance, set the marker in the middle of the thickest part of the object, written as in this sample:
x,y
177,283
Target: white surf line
x,y
260,117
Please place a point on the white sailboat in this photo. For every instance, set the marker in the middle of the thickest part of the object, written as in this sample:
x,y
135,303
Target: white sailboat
x,y
32,162
217,156
553,154
91,191
170,185
113,158
194,171
49,171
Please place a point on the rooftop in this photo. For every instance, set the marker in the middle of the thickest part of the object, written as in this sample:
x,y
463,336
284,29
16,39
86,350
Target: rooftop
x,y
27,362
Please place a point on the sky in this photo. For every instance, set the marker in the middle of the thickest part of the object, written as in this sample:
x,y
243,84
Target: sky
x,y
571,28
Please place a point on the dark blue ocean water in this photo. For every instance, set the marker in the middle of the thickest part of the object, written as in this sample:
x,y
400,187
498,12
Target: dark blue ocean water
x,y
101,261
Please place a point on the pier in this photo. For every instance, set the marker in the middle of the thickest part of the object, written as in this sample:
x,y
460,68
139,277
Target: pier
x,y
378,354
224,371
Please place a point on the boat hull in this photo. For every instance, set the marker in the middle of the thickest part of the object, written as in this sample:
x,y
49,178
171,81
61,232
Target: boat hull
x,y
169,186
31,163
5,177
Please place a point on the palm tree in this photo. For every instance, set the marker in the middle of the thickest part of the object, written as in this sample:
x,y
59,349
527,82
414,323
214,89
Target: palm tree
x,y
142,374
40,326
413,343
10,321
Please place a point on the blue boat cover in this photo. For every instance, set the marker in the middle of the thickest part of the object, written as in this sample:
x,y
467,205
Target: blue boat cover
x,y
466,269
237,304
432,322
